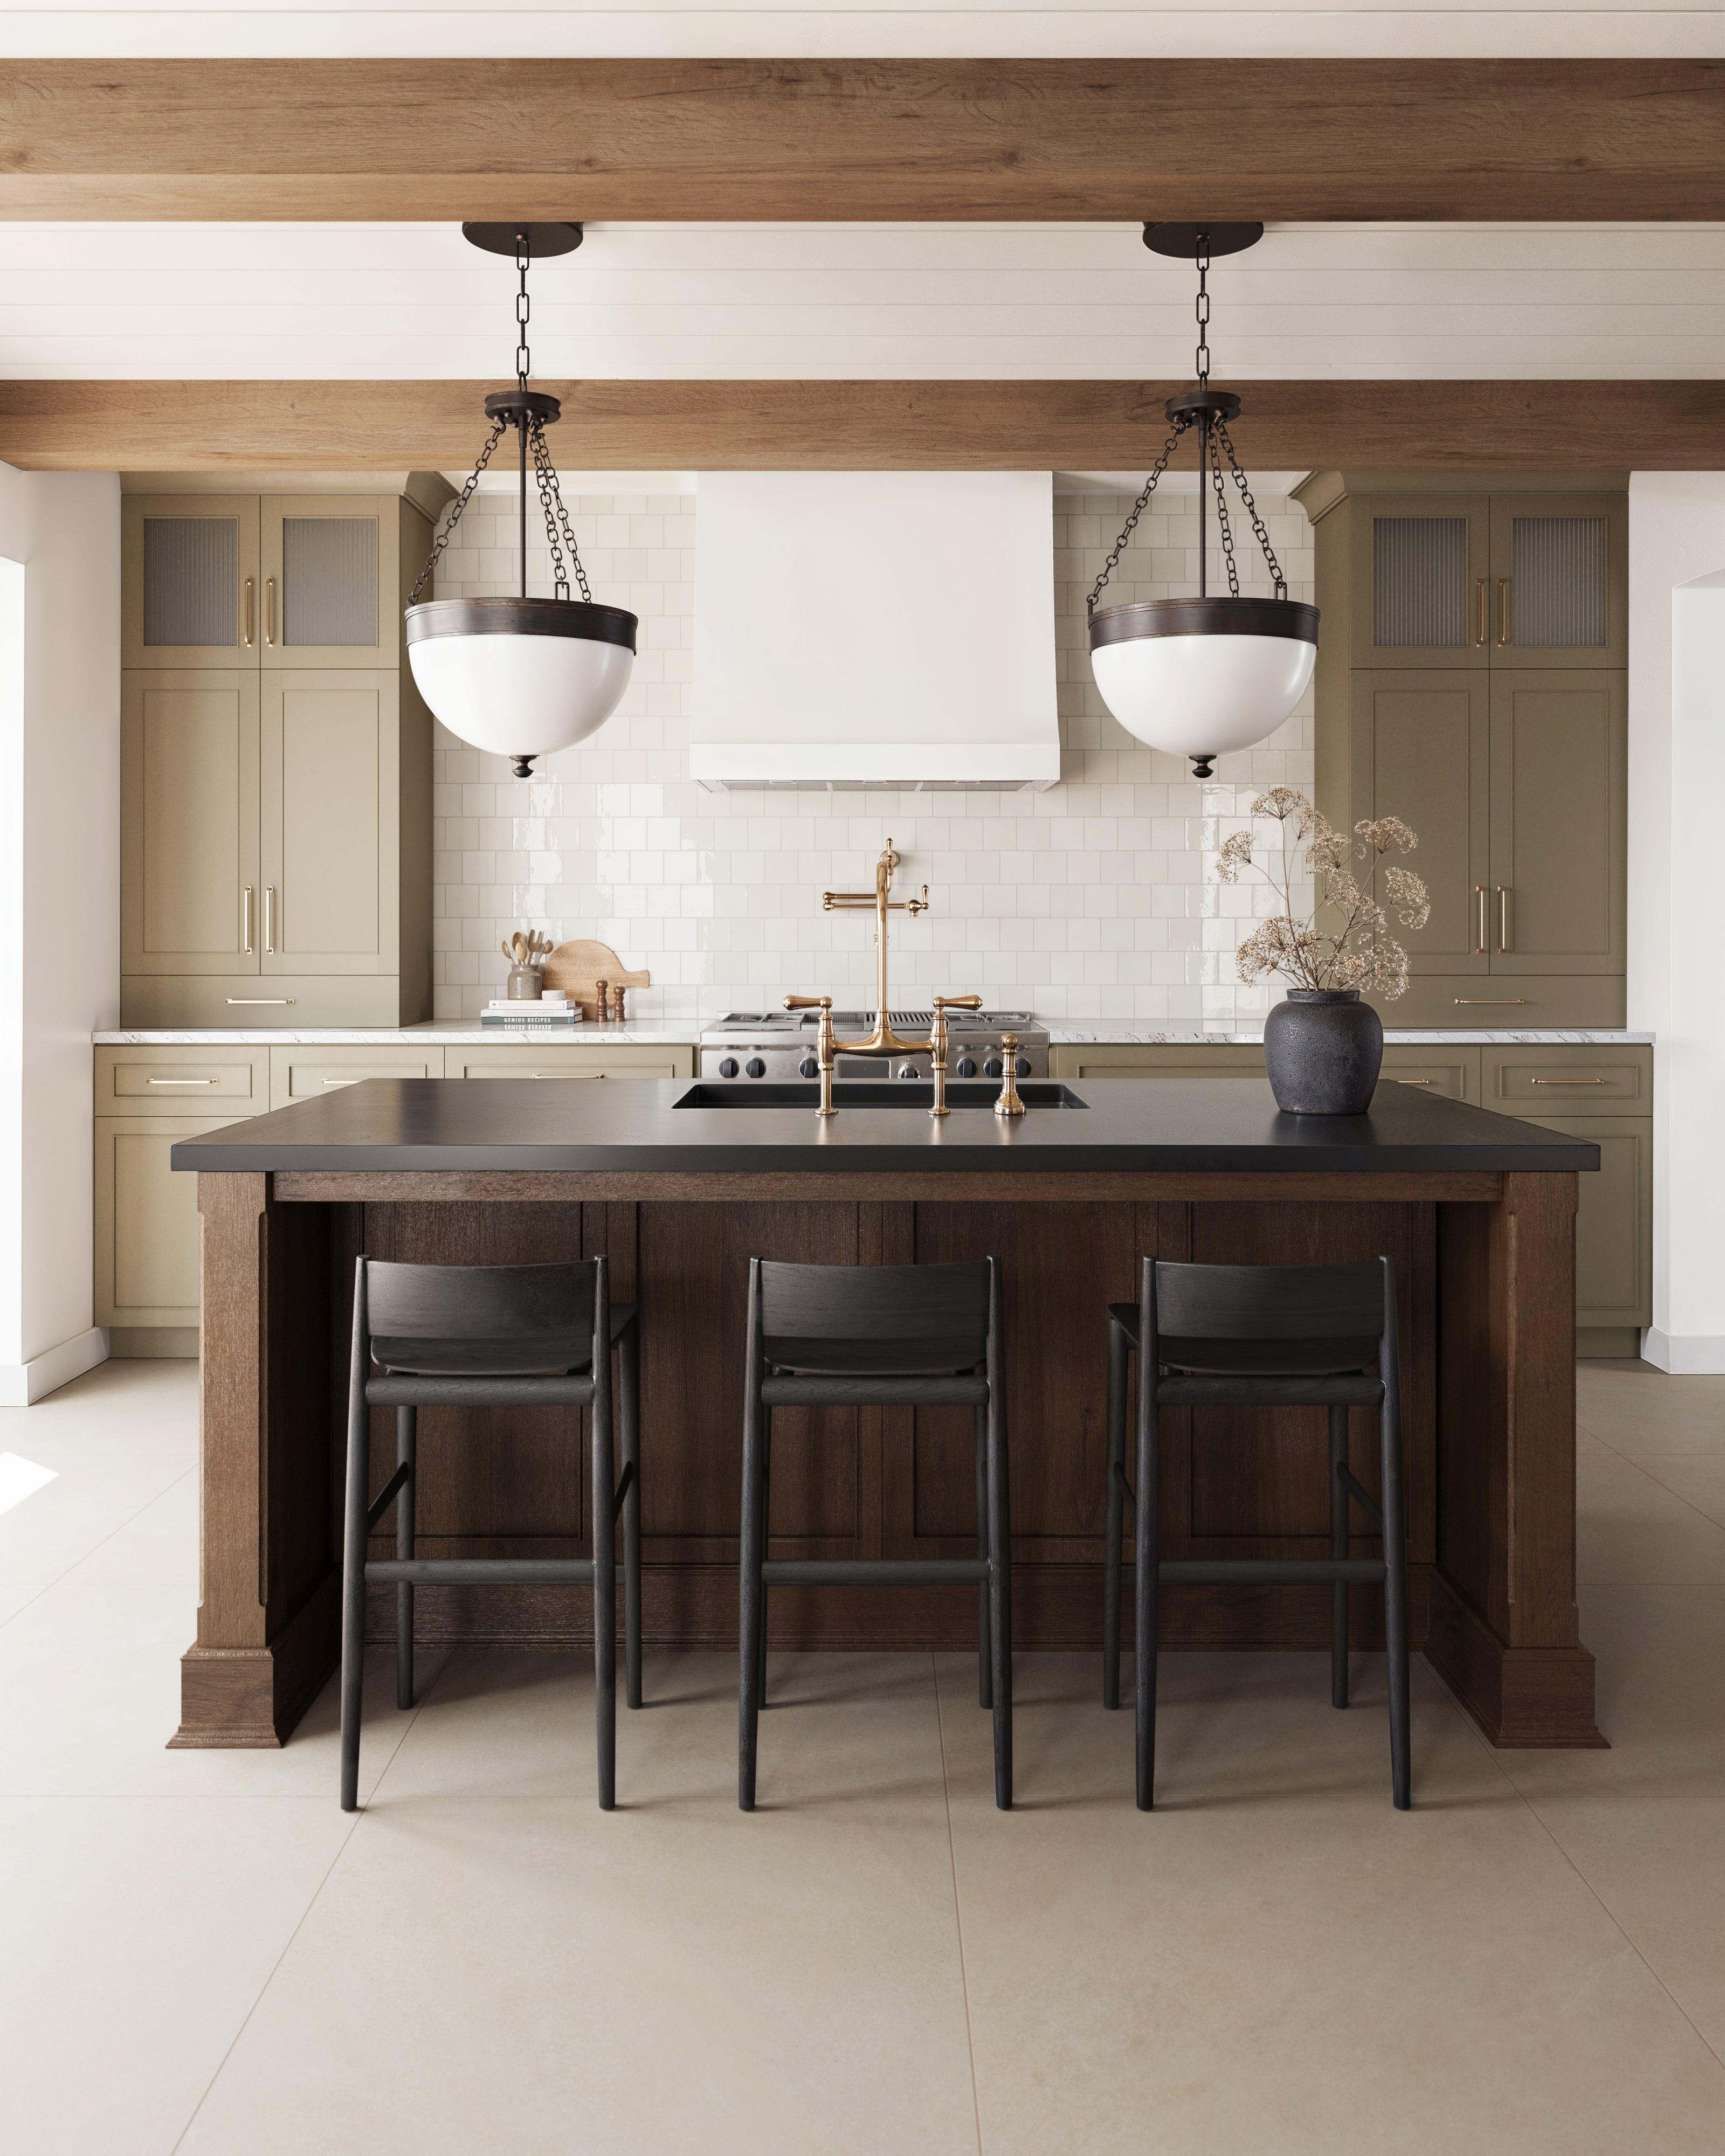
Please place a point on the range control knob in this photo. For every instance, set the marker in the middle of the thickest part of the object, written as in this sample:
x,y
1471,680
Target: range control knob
x,y
727,1066
1023,1066
991,1069
755,1067
809,1068
966,1066
908,1070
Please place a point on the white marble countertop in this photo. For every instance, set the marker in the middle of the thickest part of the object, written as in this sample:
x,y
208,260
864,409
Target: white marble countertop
x,y
446,1033
453,1033
1419,1037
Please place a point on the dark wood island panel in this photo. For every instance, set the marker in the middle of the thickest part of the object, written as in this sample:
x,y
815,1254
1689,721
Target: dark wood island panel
x,y
1484,1260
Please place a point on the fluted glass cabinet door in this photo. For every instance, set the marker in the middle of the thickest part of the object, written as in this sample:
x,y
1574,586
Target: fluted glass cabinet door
x,y
188,822
330,572
1421,750
1559,580
331,839
190,582
1417,592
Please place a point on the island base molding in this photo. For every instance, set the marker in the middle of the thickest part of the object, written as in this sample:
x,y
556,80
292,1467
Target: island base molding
x,y
1485,1267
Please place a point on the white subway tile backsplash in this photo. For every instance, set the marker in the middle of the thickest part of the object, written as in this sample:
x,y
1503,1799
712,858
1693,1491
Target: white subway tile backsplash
x,y
1092,901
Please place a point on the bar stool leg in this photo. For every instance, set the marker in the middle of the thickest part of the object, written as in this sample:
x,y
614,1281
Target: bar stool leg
x,y
407,1434
1396,1609
1000,1593
353,1597
605,1557
984,1654
1147,1556
1338,1548
766,1536
629,1401
1114,1506
752,1599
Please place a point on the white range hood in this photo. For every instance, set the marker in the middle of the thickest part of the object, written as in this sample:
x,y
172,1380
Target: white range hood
x,y
876,631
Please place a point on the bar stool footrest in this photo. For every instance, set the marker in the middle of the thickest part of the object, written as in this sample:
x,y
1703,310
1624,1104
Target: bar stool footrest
x,y
481,1571
875,1572
1260,1571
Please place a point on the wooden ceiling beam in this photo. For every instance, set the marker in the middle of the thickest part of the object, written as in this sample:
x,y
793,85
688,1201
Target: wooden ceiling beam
x,y
882,426
682,140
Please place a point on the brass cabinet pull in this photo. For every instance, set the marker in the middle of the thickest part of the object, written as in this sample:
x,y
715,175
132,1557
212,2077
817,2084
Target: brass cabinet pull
x,y
1479,585
260,999
1496,1002
568,1074
270,918
1502,917
338,1081
217,1082
248,614
246,919
1413,1081
1503,611
1479,947
269,611
1568,1081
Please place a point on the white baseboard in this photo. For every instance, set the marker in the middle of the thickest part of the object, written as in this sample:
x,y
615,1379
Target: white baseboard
x,y
1685,1354
23,1384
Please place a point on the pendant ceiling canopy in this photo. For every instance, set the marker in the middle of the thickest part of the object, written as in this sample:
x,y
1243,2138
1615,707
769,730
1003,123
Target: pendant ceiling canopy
x,y
521,676
1198,676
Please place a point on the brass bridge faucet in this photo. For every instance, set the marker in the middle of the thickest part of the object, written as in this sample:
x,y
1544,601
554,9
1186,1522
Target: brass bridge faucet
x,y
883,1040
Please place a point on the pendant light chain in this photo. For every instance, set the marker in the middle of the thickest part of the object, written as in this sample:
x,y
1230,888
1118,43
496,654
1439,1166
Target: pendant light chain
x,y
1251,509
1138,508
551,498
523,314
1202,358
462,500
1212,478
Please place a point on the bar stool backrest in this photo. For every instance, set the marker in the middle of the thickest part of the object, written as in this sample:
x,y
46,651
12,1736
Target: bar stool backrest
x,y
1272,1302
480,1302
918,1317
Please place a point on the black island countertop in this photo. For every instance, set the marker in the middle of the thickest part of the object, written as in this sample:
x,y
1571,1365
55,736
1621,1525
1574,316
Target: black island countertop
x,y
1127,1125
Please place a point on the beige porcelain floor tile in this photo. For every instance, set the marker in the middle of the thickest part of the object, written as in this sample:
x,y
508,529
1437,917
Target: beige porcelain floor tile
x,y
670,1976
1659,1652
1276,1960
1629,1529
117,1439
90,1682
137,1935
1636,1395
1689,1463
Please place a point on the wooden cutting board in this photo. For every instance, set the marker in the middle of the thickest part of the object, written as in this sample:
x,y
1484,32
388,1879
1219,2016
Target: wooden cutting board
x,y
577,968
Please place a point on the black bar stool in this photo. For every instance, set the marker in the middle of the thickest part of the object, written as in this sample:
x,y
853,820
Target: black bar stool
x,y
490,1336
878,1336
1259,1335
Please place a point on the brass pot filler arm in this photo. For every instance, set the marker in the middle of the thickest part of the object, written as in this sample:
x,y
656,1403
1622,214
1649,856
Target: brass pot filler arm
x,y
883,1041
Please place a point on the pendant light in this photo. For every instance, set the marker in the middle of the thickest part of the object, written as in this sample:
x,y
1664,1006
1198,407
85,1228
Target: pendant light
x,y
1197,676
521,676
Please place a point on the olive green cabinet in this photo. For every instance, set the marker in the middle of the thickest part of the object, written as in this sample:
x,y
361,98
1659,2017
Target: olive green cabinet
x,y
276,809
1471,681
1603,1094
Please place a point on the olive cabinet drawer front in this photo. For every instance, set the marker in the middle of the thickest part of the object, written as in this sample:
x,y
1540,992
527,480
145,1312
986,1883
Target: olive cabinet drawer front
x,y
1455,1001
1454,1074
1569,1081
1171,1060
147,1243
176,1082
556,1060
1613,1220
307,1074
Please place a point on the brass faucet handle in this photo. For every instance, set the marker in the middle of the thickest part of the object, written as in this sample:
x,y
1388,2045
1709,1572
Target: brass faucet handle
x,y
1009,1103
914,906
957,1002
809,1002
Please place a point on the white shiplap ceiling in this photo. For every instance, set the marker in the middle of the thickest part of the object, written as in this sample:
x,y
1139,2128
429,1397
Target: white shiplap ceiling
x,y
388,30
970,301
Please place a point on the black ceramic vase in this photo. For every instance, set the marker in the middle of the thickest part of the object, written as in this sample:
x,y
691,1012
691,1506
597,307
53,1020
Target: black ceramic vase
x,y
1323,1047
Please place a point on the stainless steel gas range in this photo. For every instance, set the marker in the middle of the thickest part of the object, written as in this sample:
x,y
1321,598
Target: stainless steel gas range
x,y
780,1044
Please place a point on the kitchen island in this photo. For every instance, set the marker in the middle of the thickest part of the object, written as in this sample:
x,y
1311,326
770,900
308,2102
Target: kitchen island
x,y
681,1184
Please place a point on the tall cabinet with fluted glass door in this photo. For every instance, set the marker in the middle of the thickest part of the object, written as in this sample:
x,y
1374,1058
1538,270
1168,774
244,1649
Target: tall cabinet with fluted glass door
x,y
1471,679
276,862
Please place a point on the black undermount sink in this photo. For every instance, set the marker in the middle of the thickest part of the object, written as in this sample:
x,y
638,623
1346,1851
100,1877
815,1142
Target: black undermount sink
x,y
872,1093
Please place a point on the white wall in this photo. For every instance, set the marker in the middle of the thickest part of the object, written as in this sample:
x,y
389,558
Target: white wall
x,y
59,904
1677,762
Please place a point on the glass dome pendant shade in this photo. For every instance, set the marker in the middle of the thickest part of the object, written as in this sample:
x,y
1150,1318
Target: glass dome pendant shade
x,y
1198,676
521,676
